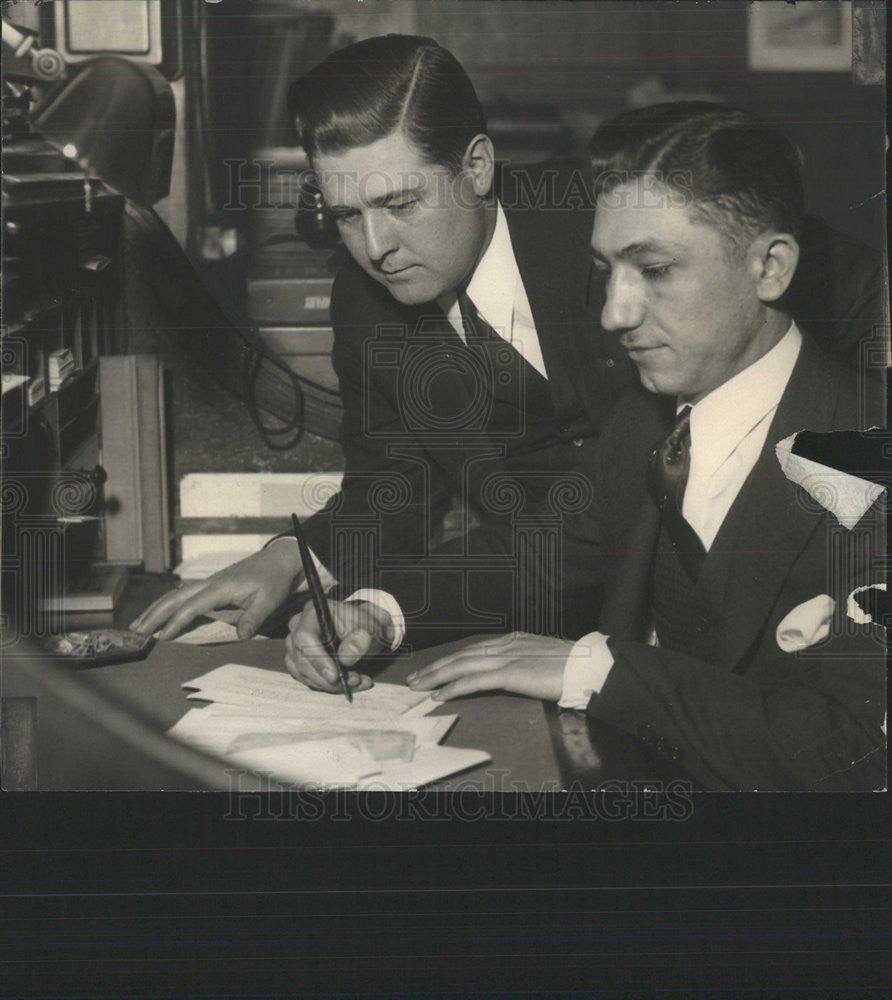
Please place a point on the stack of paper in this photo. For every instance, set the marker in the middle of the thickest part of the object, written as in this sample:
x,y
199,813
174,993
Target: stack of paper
x,y
268,722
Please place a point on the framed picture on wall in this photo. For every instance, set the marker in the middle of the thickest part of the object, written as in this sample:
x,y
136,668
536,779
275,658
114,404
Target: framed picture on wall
x,y
802,36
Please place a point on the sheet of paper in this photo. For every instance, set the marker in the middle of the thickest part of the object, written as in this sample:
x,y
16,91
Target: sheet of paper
x,y
279,693
431,763
222,728
266,721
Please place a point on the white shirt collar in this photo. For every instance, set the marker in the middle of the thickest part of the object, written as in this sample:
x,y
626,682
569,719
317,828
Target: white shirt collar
x,y
493,284
722,419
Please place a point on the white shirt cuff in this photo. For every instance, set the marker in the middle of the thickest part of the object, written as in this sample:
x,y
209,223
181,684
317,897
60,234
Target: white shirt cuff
x,y
387,602
586,670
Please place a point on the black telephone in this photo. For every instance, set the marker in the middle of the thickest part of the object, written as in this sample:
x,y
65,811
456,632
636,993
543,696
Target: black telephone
x,y
313,223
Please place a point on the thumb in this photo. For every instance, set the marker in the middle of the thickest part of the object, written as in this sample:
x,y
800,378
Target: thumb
x,y
355,646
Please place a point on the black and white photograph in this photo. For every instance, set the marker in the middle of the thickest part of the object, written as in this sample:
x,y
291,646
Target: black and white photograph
x,y
480,396
444,495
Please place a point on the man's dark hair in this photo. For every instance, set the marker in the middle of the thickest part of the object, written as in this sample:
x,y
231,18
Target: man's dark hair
x,y
367,91
734,172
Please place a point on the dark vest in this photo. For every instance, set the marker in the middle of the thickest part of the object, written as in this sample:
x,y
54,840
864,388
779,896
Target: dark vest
x,y
679,608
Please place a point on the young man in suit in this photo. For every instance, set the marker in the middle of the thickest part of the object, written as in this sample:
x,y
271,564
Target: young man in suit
x,y
437,405
465,347
729,638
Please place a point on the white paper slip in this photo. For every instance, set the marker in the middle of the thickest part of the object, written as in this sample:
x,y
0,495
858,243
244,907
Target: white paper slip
x,y
431,763
266,721
325,761
233,684
220,729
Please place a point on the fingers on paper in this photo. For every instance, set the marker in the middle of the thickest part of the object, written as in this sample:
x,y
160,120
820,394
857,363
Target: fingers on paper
x,y
175,610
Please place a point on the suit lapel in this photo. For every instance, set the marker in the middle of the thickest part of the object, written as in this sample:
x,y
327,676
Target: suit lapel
x,y
550,247
765,530
768,524
626,609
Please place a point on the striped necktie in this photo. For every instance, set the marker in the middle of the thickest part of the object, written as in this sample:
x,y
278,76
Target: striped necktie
x,y
667,476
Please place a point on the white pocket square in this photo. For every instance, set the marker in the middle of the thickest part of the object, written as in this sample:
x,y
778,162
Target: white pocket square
x,y
807,624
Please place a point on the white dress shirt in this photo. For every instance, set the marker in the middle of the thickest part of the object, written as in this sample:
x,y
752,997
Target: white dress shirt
x,y
499,297
728,432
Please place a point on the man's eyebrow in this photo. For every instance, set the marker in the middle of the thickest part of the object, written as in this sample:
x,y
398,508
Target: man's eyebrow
x,y
641,247
395,195
382,201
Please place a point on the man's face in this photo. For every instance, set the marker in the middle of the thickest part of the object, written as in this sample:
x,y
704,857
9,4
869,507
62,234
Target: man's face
x,y
413,226
685,307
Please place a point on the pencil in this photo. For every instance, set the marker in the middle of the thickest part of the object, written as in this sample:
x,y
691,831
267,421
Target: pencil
x,y
320,603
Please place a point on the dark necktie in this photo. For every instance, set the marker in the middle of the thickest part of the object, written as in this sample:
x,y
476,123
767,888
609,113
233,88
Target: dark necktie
x,y
510,380
667,476
475,326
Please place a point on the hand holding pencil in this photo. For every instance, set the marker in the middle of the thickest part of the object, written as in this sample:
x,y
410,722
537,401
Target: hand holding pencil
x,y
357,627
329,637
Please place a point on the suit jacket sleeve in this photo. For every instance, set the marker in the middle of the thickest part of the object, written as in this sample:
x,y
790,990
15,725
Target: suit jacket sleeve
x,y
811,720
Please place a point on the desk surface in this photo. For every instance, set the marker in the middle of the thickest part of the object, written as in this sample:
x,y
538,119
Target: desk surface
x,y
511,729
533,747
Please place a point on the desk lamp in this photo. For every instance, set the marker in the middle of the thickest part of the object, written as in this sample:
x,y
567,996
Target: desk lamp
x,y
114,117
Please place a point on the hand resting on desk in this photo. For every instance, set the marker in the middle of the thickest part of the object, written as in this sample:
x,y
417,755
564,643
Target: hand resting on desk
x,y
362,629
532,665
259,584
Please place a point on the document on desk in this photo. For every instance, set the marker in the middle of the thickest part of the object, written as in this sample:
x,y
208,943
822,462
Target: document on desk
x,y
266,721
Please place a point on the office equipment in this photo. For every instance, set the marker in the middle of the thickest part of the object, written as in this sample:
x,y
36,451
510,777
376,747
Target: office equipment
x,y
306,350
92,588
320,603
61,285
60,364
114,117
90,27
134,456
292,289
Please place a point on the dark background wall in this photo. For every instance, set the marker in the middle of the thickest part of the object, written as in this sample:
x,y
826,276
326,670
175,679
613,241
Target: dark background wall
x,y
547,73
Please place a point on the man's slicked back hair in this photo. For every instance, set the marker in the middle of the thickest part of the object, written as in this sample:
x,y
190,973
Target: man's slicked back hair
x,y
369,90
734,172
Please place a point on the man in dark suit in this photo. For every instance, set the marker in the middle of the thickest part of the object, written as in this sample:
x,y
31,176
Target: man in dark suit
x,y
495,416
472,381
731,637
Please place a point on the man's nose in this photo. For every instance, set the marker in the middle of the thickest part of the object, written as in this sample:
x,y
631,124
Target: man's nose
x,y
380,237
623,309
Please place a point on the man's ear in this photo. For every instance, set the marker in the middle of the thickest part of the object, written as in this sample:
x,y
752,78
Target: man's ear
x,y
479,164
773,259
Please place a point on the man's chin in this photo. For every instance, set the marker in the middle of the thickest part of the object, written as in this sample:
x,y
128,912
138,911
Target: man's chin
x,y
409,295
661,383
